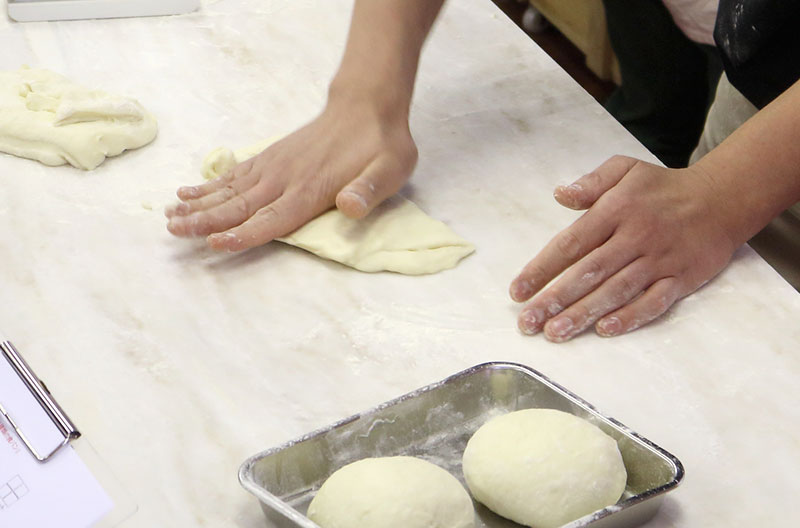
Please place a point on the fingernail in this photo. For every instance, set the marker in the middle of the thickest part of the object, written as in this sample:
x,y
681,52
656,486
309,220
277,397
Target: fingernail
x,y
610,326
220,237
193,224
568,192
189,192
559,329
570,188
172,225
530,321
177,209
362,203
521,290
222,240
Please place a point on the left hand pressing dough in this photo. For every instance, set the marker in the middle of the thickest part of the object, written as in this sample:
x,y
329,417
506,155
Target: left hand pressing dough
x,y
46,117
397,236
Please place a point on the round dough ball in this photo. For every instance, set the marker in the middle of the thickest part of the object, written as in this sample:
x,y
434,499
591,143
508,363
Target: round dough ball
x,y
543,468
392,492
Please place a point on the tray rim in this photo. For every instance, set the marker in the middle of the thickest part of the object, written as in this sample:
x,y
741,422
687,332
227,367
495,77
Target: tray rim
x,y
265,497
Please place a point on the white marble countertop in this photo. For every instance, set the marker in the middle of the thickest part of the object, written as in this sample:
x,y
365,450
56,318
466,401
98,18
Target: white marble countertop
x,y
178,363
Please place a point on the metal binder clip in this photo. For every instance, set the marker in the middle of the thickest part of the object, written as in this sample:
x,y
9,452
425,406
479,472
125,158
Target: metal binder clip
x,y
45,400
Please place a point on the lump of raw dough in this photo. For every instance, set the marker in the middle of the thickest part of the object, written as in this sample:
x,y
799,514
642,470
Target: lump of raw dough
x,y
222,159
392,492
396,236
543,468
46,117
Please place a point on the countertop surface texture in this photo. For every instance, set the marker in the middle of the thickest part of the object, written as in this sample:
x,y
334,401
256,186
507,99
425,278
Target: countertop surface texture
x,y
178,363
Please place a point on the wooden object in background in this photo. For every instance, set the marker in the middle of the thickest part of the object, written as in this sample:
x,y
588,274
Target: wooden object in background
x,y
583,22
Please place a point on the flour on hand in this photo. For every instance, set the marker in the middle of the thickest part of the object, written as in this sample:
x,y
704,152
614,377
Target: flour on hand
x,y
396,236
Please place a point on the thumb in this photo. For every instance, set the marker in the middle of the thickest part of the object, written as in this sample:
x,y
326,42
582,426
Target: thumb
x,y
586,190
382,178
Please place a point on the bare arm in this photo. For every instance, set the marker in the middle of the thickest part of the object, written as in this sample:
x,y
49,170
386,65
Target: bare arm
x,y
383,48
757,168
355,154
380,65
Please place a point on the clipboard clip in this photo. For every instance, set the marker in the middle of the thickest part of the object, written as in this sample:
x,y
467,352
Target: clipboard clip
x,y
42,395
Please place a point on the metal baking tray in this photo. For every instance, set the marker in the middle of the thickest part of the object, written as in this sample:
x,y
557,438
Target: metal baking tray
x,y
435,423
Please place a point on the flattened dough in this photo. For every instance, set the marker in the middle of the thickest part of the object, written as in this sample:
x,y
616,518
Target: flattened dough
x,y
392,492
46,117
397,236
543,468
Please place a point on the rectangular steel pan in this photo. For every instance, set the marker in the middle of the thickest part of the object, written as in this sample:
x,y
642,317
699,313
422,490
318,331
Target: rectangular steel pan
x,y
435,423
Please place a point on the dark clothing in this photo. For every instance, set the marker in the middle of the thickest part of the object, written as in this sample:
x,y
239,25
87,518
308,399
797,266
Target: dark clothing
x,y
759,41
668,80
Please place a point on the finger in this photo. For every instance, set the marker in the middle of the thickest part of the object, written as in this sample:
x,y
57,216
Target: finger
x,y
228,214
197,191
236,186
587,233
280,217
588,188
382,178
617,291
652,304
580,280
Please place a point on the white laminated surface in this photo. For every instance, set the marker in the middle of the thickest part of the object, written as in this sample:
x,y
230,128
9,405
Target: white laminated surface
x,y
178,363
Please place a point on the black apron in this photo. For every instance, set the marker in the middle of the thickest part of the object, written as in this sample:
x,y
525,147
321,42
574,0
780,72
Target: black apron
x,y
759,41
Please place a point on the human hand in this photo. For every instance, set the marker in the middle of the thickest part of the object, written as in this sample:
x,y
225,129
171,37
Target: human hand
x,y
650,236
354,155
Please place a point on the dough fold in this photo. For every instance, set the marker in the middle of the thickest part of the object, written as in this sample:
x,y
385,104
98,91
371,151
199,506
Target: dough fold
x,y
396,236
46,117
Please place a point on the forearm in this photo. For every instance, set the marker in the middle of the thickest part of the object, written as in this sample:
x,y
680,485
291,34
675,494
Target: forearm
x,y
756,171
382,52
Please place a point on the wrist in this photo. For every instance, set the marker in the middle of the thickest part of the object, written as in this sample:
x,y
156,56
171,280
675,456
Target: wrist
x,y
739,208
389,100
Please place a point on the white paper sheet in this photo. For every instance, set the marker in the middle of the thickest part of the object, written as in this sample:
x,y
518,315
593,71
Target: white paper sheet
x,y
61,492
